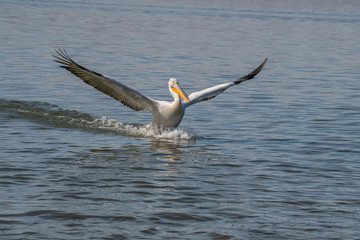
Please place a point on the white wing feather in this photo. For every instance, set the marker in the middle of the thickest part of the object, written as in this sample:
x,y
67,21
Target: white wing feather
x,y
212,92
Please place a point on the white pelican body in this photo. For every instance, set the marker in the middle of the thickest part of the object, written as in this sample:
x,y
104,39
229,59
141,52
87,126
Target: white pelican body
x,y
164,114
169,114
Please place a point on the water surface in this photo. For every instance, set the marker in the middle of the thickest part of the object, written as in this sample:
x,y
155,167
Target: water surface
x,y
273,158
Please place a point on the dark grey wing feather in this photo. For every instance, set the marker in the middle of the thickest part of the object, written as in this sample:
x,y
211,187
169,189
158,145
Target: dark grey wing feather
x,y
119,91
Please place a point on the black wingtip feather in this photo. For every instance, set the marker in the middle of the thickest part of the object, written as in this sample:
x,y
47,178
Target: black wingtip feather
x,y
252,74
62,57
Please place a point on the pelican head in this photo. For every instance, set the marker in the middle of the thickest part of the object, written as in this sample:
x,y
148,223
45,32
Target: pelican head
x,y
176,90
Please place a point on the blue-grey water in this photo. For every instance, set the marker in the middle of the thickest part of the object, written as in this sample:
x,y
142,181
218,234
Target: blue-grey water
x,y
277,157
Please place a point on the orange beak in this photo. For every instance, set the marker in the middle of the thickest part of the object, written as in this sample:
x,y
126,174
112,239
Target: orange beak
x,y
180,92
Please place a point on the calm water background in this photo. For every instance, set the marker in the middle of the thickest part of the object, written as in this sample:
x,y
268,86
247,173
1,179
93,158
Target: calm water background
x,y
273,158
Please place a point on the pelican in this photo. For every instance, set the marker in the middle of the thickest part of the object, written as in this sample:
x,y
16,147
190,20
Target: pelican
x,y
164,114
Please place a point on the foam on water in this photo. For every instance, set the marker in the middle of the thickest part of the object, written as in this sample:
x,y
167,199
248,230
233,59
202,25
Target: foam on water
x,y
139,131
48,114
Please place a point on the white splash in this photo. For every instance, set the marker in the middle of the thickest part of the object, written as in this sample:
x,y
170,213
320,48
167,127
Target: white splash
x,y
140,131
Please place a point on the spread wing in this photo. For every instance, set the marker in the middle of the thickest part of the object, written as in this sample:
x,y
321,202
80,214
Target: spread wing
x,y
119,91
212,92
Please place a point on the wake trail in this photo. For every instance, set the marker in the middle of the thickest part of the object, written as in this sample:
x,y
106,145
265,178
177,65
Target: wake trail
x,y
52,115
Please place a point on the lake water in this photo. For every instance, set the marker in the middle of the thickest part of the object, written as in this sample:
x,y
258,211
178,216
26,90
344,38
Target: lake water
x,y
277,157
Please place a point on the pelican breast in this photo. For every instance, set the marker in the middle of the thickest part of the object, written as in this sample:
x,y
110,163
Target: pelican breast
x,y
168,114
